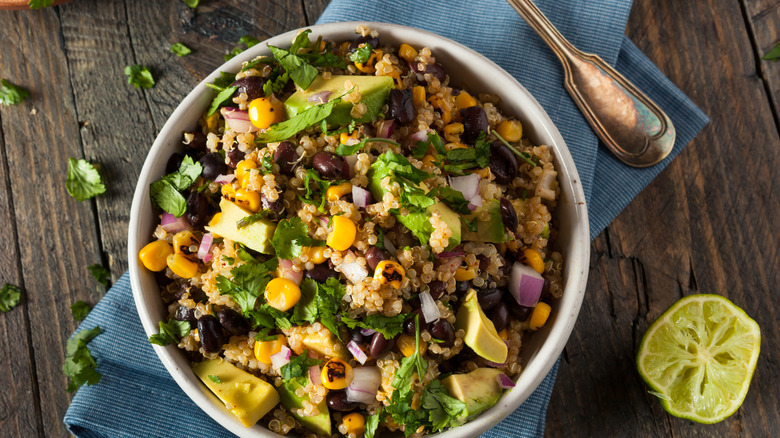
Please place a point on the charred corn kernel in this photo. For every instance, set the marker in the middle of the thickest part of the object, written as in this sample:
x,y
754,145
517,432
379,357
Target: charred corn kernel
x,y
185,243
336,192
244,180
438,103
182,266
453,131
429,160
451,146
407,52
215,219
466,274
282,294
243,167
512,245
540,315
265,349
248,199
316,254
336,374
510,130
265,111
229,192
406,344
355,423
211,121
154,255
534,260
504,334
464,100
418,95
390,272
343,234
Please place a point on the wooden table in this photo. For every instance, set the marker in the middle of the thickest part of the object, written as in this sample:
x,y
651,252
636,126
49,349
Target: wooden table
x,y
709,223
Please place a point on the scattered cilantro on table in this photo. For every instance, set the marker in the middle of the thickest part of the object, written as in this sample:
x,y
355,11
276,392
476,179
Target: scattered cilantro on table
x,y
192,3
297,370
80,367
388,326
10,296
171,332
139,76
246,40
166,192
83,181
79,310
180,49
101,274
773,54
290,237
38,4
11,94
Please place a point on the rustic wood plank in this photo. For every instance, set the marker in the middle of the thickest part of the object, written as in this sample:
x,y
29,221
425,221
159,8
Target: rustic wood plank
x,y
313,9
764,19
57,237
704,225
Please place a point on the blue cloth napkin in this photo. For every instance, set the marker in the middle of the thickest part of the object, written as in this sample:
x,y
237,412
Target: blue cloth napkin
x,y
137,397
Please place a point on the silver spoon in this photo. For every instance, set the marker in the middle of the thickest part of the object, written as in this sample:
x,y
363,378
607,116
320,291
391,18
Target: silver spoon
x,y
631,125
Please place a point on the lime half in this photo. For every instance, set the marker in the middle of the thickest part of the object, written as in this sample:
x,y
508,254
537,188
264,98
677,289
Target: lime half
x,y
699,357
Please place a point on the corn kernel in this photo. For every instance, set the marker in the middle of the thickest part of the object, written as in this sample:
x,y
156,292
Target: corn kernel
x,y
418,95
183,243
343,234
510,130
540,315
182,266
315,254
248,199
336,374
438,103
355,423
265,111
265,349
154,255
466,274
512,245
243,167
533,259
407,52
429,160
464,100
504,334
451,146
453,131
211,121
390,272
335,193
406,344
282,294
215,219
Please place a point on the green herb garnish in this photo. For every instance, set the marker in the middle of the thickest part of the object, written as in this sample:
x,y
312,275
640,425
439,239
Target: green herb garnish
x,y
247,287
372,424
171,332
165,192
362,54
344,150
79,310
408,177
221,98
290,237
388,326
300,71
316,197
83,181
297,369
180,49
286,129
101,274
139,76
192,3
38,4
320,301
80,367
249,41
214,378
11,94
523,156
773,54
453,198
10,296
251,219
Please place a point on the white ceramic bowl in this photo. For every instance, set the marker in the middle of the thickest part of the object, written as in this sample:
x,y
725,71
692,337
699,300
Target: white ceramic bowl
x,y
465,67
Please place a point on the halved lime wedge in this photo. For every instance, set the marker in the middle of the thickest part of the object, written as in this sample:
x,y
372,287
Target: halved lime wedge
x,y
699,357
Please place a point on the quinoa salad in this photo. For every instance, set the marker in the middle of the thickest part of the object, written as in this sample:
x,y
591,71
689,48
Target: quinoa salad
x,y
350,243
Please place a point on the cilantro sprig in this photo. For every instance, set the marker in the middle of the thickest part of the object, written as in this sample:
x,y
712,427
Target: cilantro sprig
x,y
286,129
316,189
171,332
361,54
79,310
101,274
11,94
83,181
297,370
166,192
290,237
344,150
320,301
247,288
139,76
388,326
180,49
300,71
10,296
80,367
408,177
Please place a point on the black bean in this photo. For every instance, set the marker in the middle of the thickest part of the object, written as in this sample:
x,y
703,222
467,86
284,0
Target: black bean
x,y
401,106
213,165
437,289
522,313
368,39
274,206
357,336
286,157
320,273
235,155
174,162
251,85
443,331
379,344
197,209
337,400
410,326
330,166
233,322
374,255
489,298
437,71
198,141
210,332
503,164
197,294
185,314
508,215
474,121
546,295
500,316
461,287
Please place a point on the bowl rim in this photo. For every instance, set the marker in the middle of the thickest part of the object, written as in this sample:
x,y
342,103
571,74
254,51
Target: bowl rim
x,y
577,262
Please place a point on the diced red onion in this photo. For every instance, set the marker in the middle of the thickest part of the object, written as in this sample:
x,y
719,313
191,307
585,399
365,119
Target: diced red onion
x,y
225,179
455,252
321,97
367,332
237,120
429,308
365,383
173,224
384,128
468,185
205,246
361,197
354,271
421,135
324,220
351,141
525,284
359,354
389,246
505,382
475,202
351,161
285,270
280,359
315,374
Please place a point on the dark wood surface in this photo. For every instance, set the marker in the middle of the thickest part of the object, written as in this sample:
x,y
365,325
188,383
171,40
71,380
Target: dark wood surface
x,y
709,223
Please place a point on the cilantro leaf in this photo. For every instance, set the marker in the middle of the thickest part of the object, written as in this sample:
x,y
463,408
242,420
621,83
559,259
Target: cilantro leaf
x,y
101,274
214,378
171,332
83,180
300,71
165,192
249,41
11,94
79,310
280,318
329,298
139,76
223,81
443,410
301,41
221,97
248,284
361,54
38,4
276,82
297,369
316,197
344,150
252,218
452,198
10,296
286,129
80,367
290,237
388,326
372,424
180,49
305,309
192,3
773,54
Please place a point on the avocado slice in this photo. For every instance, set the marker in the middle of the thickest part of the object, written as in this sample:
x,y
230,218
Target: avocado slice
x,y
319,424
373,91
248,397
481,334
493,230
323,342
479,390
256,235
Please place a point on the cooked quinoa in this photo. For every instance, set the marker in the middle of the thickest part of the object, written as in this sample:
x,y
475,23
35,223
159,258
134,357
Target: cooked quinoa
x,y
383,243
